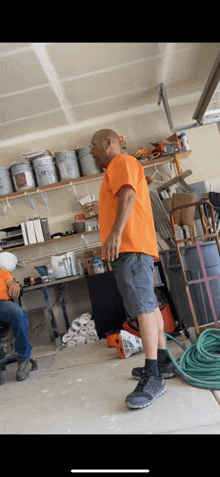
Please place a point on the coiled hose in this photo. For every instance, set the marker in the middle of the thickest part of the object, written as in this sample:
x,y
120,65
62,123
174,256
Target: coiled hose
x,y
200,363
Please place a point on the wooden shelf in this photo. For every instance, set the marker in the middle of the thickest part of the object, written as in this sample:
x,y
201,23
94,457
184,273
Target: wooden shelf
x,y
55,186
94,177
31,245
81,180
163,159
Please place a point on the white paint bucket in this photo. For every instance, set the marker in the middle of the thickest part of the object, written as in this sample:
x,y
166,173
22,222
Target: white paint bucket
x,y
6,186
45,171
22,176
87,162
66,162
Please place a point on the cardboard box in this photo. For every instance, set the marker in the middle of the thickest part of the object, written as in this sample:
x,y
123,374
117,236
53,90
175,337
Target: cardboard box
x,y
87,198
90,209
89,255
79,217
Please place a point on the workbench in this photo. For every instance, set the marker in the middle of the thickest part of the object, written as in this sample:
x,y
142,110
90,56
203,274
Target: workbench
x,y
108,310
44,287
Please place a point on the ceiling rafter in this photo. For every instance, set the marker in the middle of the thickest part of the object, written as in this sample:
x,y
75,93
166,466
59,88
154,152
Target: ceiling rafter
x,y
52,76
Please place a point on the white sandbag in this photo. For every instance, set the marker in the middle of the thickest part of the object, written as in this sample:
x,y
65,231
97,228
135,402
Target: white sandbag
x,y
90,325
66,337
79,336
80,340
91,340
85,318
92,333
71,331
76,324
71,343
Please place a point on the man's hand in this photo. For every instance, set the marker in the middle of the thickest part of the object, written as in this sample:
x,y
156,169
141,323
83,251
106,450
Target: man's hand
x,y
111,246
13,289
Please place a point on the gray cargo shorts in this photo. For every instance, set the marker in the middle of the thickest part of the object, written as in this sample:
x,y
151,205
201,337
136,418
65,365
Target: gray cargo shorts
x,y
134,277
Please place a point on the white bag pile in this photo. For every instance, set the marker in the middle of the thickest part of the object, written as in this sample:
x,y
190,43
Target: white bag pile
x,y
81,331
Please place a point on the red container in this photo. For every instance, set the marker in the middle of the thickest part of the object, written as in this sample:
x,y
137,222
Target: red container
x,y
112,336
169,323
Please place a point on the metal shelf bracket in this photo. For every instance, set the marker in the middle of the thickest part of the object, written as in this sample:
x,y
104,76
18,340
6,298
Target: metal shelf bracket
x,y
42,194
31,200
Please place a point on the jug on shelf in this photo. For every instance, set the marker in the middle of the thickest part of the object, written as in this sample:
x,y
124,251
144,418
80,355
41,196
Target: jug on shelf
x,y
64,265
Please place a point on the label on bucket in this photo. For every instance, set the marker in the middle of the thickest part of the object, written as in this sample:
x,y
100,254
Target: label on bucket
x,y
63,171
44,173
20,180
24,179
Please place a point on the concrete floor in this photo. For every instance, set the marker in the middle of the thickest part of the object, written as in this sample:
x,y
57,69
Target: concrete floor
x,y
89,399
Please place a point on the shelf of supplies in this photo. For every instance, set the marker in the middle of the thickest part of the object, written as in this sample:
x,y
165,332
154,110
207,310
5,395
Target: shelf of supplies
x,y
55,186
31,245
163,159
94,177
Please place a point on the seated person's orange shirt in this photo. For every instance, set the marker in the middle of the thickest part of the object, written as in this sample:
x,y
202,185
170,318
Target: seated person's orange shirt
x,y
139,233
4,275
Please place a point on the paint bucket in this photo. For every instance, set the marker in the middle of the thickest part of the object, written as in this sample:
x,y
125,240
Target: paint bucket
x,y
45,171
67,165
6,186
87,162
22,176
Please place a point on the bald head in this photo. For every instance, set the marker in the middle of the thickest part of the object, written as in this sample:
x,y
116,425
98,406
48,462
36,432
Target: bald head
x,y
104,134
105,146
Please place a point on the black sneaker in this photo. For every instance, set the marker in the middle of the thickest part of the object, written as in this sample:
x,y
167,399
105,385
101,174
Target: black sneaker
x,y
146,392
167,370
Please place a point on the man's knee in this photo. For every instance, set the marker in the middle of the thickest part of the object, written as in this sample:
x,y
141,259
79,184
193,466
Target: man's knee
x,y
12,311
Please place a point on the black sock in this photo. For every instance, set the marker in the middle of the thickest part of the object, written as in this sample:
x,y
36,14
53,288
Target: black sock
x,y
151,367
162,355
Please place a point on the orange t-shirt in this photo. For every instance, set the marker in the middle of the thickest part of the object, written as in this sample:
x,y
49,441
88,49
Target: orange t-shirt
x,y
139,233
4,275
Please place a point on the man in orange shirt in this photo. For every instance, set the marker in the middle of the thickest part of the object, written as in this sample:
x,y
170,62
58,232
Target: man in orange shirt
x,y
129,241
12,313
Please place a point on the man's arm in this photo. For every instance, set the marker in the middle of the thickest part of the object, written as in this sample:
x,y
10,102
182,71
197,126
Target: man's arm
x,y
111,246
13,287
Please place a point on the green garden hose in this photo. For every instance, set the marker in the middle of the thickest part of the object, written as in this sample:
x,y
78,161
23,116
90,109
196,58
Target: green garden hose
x,y
200,363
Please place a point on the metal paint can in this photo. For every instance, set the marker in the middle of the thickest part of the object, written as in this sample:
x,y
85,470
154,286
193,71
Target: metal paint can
x,y
67,165
22,176
87,162
45,171
6,186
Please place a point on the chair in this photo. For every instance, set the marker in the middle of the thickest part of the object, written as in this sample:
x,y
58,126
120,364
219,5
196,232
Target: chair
x,y
5,360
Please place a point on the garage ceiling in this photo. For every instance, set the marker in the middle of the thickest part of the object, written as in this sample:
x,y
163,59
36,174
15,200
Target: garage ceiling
x,y
48,85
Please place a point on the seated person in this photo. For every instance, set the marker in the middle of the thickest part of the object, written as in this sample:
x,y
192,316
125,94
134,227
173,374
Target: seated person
x,y
13,314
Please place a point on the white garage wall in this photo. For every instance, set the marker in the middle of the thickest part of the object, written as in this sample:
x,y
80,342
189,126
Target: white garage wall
x,y
140,126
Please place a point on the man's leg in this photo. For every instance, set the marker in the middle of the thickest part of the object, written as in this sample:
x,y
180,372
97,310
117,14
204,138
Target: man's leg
x,y
151,327
13,314
160,322
164,363
148,326
151,384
